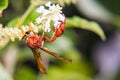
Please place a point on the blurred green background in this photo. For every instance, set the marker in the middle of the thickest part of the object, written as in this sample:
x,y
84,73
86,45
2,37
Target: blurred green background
x,y
17,61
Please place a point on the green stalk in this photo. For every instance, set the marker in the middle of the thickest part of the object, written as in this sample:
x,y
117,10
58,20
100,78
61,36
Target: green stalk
x,y
28,11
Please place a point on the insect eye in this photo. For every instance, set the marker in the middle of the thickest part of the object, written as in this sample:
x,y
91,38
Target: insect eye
x,y
27,32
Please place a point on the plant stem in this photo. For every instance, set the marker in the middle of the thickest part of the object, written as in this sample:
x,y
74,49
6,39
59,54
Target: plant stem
x,y
28,11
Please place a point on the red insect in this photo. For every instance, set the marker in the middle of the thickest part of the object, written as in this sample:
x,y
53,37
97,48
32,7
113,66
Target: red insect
x,y
36,42
57,32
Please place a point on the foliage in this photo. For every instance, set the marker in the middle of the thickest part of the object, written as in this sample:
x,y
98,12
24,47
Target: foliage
x,y
78,70
85,24
3,4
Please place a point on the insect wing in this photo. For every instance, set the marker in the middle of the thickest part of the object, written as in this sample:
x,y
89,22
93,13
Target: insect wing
x,y
39,61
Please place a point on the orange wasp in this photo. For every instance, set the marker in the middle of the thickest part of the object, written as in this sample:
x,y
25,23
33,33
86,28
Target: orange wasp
x,y
57,32
35,42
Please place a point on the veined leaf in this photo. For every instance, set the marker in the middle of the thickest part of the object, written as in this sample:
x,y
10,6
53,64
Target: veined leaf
x,y
85,24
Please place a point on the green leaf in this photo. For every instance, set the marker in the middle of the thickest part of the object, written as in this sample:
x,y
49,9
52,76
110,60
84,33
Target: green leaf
x,y
26,73
31,17
13,22
85,24
3,4
58,74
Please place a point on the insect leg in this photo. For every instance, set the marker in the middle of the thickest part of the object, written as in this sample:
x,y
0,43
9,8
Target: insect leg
x,y
56,55
53,38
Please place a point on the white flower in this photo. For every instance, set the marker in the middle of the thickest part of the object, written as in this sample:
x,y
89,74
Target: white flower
x,y
48,13
52,13
33,26
40,9
48,4
47,26
57,18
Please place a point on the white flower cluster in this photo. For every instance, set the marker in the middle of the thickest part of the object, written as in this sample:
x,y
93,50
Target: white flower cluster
x,y
53,13
11,33
16,32
48,13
